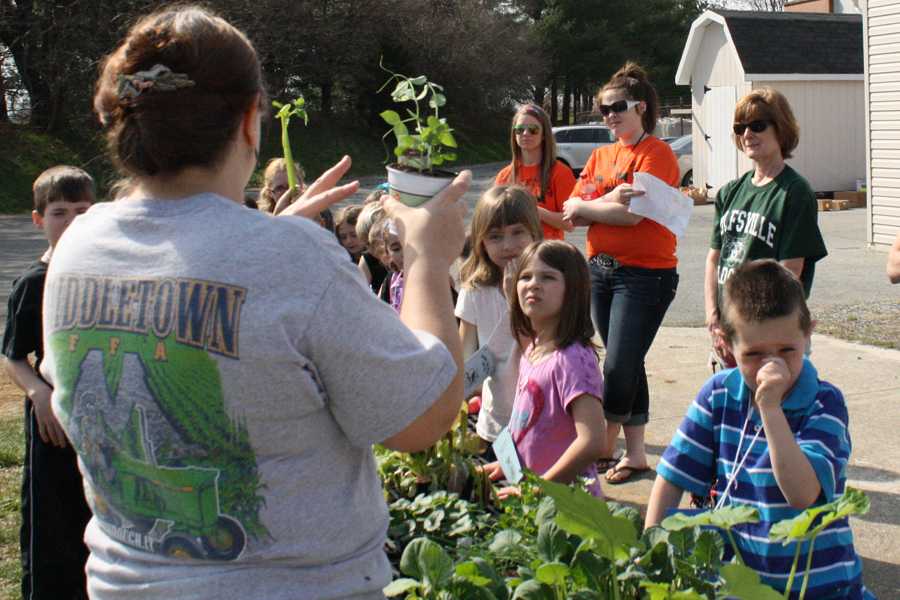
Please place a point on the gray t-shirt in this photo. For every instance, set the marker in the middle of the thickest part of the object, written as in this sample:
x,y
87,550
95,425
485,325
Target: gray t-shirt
x,y
222,375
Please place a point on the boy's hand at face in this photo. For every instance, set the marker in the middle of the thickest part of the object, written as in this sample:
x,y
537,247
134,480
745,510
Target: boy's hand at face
x,y
772,381
48,427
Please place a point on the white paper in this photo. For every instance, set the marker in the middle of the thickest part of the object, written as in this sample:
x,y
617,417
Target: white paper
x,y
505,450
479,367
661,203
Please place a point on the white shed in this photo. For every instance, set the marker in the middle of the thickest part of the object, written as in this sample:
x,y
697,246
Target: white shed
x,y
882,62
815,60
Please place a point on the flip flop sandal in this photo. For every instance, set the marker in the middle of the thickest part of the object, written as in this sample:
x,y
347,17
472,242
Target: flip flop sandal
x,y
628,473
605,464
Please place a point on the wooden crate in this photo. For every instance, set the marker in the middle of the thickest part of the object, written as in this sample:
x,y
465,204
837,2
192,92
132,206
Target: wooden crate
x,y
828,204
697,195
856,199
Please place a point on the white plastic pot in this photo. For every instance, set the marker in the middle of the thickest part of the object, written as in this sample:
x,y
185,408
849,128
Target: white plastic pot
x,y
414,188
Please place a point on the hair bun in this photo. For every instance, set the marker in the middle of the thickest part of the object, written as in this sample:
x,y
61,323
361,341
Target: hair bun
x,y
632,70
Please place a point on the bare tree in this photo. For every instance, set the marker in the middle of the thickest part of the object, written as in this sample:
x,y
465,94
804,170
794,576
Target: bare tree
x,y
758,5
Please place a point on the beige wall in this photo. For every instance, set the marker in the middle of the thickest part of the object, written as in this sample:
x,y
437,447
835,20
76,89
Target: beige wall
x,y
808,6
832,150
717,65
883,78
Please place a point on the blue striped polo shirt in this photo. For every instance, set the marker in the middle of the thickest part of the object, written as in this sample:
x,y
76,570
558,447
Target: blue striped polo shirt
x,y
704,450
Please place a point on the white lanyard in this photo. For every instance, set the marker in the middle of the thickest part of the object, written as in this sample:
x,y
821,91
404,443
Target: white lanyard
x,y
738,459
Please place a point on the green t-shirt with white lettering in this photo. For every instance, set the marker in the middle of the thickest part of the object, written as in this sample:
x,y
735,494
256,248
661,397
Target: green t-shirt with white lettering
x,y
778,220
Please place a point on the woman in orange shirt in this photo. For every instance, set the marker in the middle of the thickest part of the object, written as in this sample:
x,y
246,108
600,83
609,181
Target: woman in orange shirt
x,y
534,166
632,259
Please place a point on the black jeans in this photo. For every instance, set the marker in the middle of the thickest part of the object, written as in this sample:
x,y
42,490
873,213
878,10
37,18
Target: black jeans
x,y
627,306
54,515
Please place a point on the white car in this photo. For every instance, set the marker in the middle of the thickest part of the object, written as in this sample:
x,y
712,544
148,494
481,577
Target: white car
x,y
575,143
682,148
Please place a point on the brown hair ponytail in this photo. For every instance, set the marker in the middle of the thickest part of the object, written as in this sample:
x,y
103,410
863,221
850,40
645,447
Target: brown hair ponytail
x,y
156,127
633,80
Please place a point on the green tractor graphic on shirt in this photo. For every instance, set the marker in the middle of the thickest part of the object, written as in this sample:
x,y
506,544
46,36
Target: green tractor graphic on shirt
x,y
170,470
182,504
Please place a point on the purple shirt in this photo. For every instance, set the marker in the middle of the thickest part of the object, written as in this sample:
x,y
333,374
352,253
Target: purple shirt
x,y
396,290
541,424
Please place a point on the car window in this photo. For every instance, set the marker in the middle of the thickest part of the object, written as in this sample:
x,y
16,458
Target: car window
x,y
682,144
604,136
582,136
561,136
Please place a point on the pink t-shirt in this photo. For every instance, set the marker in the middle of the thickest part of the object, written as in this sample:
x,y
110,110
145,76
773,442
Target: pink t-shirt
x,y
541,424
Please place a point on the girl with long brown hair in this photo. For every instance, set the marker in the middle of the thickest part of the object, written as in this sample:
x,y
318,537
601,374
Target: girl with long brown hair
x,y
534,166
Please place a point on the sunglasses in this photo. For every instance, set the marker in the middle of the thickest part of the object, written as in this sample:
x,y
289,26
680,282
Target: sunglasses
x,y
757,126
617,107
521,129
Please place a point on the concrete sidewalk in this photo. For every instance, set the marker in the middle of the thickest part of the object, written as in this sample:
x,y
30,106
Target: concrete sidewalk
x,y
869,377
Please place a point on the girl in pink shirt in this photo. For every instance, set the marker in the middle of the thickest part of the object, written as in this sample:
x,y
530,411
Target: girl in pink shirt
x,y
557,421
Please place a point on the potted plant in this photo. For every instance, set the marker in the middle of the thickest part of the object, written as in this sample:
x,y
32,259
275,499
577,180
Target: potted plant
x,y
424,139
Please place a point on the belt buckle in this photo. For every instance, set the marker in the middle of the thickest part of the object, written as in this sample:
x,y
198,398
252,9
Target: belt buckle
x,y
605,261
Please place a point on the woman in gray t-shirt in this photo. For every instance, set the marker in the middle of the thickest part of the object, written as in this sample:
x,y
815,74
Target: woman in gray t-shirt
x,y
223,406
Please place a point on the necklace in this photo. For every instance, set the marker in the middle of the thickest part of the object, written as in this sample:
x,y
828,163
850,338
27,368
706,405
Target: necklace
x,y
621,174
738,459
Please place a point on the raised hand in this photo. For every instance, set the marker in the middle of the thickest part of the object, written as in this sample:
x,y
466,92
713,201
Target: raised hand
x,y
320,195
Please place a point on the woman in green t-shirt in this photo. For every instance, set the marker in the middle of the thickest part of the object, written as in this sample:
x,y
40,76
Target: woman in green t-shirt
x,y
768,212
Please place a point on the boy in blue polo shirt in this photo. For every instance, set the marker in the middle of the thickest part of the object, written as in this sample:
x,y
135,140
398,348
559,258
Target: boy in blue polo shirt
x,y
768,434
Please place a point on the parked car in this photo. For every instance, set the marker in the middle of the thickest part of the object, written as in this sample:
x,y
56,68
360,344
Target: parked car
x,y
682,148
575,143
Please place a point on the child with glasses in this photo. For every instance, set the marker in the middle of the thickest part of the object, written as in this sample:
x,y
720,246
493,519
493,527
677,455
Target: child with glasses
x,y
768,212
534,166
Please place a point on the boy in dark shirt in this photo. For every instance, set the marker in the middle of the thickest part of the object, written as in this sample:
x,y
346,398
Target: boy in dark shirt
x,y
54,511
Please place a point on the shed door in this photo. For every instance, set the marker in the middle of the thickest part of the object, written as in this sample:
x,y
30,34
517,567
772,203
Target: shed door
x,y
718,113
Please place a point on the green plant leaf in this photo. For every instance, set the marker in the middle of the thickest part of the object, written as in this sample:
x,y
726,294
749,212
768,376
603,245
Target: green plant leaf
x,y
546,511
403,92
585,595
434,520
708,550
656,591
589,568
552,573
462,526
425,560
744,583
851,502
446,138
391,117
420,80
552,544
400,586
581,514
479,570
533,590
469,571
505,542
681,542
437,100
724,518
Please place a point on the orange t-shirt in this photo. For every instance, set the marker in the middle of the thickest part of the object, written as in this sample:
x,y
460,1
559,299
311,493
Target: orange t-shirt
x,y
647,244
558,191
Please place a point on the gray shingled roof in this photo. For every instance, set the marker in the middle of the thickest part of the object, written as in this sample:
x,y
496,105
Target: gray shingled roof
x,y
769,42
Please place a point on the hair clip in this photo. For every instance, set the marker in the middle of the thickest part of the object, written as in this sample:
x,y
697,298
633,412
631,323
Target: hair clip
x,y
158,77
